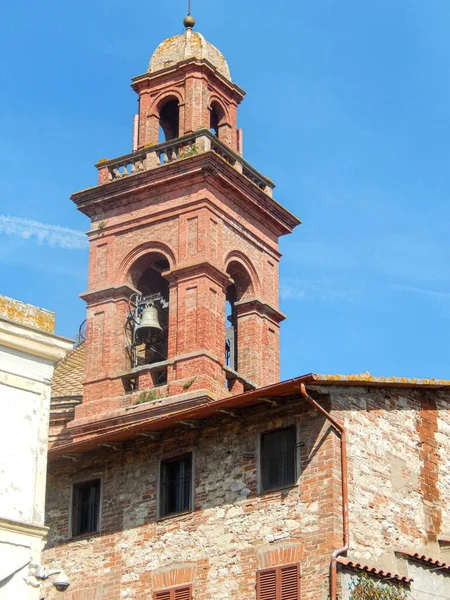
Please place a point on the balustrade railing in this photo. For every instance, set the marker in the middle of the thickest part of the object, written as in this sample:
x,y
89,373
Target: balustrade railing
x,y
180,148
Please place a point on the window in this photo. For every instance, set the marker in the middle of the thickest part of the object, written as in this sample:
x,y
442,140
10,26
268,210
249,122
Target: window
x,y
181,593
175,486
86,508
279,583
278,458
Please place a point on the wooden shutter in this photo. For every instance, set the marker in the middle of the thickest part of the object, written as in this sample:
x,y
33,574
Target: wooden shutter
x,y
290,583
184,593
280,583
164,595
266,585
181,593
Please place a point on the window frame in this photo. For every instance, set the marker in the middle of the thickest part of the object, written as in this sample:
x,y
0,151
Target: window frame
x,y
73,512
179,457
297,459
278,581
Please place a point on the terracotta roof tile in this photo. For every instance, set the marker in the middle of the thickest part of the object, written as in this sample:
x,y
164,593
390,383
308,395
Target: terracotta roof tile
x,y
423,558
69,374
353,564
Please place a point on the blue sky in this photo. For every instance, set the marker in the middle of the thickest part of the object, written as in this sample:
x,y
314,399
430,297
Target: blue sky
x,y
347,110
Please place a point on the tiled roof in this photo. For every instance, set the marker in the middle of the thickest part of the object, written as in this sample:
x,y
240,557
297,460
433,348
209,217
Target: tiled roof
x,y
352,564
423,558
69,374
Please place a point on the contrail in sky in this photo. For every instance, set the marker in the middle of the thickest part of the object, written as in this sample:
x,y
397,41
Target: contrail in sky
x,y
54,235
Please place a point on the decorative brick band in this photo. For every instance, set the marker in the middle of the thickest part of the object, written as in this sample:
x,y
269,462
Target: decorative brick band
x,y
427,427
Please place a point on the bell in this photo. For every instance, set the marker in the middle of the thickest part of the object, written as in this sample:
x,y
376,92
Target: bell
x,y
149,329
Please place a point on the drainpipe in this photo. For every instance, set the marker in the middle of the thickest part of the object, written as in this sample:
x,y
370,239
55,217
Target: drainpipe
x,y
342,435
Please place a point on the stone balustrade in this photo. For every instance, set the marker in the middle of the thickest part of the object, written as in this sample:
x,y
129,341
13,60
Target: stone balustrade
x,y
180,148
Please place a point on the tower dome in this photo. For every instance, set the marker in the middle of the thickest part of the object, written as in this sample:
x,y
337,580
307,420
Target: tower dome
x,y
190,44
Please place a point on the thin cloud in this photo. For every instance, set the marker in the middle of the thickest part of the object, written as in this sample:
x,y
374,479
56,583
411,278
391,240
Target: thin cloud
x,y
426,292
53,235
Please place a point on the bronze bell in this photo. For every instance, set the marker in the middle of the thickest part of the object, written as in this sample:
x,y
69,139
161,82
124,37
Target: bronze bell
x,y
149,329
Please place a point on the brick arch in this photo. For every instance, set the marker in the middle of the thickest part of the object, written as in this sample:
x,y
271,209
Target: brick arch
x,y
162,98
132,257
240,258
216,99
281,553
173,575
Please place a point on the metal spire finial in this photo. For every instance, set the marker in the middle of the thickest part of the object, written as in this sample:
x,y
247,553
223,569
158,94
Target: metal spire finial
x,y
189,21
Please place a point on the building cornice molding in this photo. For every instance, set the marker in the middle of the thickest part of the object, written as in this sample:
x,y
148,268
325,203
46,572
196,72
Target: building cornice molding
x,y
116,292
33,341
258,306
21,528
207,166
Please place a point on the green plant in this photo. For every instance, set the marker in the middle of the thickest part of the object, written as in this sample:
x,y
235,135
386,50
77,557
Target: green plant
x,y
189,151
364,587
148,396
101,225
188,384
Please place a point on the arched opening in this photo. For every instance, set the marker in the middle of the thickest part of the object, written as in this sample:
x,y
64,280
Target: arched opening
x,y
169,121
216,119
241,288
150,314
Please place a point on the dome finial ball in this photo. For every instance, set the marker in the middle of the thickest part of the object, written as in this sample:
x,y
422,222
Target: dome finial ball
x,y
189,22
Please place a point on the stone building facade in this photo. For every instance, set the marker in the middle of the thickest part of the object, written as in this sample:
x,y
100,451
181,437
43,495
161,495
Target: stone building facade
x,y
183,469
29,350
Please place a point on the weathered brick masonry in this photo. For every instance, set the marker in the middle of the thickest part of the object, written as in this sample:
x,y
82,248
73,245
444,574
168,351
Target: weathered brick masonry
x,y
234,529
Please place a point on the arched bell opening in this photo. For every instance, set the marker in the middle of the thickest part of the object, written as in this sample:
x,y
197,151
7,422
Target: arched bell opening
x,y
169,120
149,313
241,288
217,119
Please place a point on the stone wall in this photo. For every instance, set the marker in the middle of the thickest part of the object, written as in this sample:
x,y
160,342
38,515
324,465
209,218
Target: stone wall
x,y
234,529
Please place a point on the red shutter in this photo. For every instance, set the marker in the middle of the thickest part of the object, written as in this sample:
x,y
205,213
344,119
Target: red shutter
x,y
266,585
164,595
184,593
290,583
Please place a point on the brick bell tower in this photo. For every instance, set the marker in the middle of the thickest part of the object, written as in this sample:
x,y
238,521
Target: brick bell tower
x,y
184,233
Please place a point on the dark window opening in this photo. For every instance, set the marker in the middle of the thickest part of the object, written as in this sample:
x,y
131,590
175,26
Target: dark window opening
x,y
169,120
86,508
175,486
231,329
278,458
216,118
214,123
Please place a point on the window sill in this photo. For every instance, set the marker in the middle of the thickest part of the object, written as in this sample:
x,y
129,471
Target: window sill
x,y
279,489
83,536
174,515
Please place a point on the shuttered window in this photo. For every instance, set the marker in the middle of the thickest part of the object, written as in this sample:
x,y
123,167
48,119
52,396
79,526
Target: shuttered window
x,y
181,593
279,583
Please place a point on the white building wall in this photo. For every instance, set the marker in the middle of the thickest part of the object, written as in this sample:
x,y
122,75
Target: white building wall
x,y
27,357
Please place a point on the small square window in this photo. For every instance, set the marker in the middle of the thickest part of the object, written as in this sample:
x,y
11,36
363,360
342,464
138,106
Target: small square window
x,y
175,486
86,508
278,458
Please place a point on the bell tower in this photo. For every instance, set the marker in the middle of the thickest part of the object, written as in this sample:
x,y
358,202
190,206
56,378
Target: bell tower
x,y
182,299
